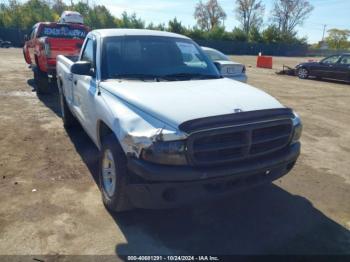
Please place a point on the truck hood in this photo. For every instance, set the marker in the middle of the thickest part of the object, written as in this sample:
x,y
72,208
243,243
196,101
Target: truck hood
x,y
175,102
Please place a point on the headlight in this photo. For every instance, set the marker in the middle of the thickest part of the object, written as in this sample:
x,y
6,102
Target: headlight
x,y
166,153
298,128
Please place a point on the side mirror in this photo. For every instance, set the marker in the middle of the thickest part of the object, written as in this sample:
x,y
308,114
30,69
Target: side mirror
x,y
218,66
82,68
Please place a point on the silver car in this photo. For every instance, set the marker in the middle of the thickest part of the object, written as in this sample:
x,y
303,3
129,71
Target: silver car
x,y
228,68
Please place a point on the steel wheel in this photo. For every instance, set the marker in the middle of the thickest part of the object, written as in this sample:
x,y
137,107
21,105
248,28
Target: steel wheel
x,y
108,173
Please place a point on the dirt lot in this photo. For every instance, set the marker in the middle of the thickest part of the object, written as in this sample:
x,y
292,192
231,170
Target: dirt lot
x,y
50,203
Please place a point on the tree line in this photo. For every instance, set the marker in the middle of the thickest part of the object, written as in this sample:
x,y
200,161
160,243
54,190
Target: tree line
x,y
280,27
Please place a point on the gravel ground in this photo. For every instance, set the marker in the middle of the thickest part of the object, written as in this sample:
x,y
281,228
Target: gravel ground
x,y
50,202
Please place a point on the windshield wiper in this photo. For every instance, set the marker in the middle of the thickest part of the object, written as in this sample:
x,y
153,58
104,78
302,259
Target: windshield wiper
x,y
189,76
142,77
168,77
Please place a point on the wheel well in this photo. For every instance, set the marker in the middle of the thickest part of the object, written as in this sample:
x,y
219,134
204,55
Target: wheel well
x,y
103,131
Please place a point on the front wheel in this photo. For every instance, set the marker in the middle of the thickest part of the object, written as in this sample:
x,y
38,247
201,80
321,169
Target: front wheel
x,y
303,73
113,175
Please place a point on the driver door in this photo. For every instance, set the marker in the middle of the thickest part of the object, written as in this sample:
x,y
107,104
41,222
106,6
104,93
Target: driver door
x,y
327,67
84,88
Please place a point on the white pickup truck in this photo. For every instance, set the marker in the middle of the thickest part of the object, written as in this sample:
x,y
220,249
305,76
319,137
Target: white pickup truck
x,y
169,128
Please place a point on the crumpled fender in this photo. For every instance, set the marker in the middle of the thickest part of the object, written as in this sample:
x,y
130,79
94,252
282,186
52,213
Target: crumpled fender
x,y
134,128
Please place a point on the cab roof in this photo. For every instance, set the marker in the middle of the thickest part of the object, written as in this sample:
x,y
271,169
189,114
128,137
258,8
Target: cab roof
x,y
134,32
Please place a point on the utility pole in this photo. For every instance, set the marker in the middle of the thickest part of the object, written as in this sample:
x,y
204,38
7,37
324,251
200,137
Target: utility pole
x,y
324,30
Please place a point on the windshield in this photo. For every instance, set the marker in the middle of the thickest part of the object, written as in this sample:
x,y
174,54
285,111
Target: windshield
x,y
154,57
216,55
62,31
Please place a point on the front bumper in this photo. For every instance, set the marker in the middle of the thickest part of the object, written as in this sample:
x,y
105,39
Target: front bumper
x,y
170,186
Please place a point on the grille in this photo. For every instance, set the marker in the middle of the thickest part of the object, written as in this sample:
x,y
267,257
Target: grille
x,y
230,144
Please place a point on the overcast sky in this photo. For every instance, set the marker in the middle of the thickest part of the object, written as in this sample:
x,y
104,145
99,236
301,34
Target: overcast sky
x,y
333,13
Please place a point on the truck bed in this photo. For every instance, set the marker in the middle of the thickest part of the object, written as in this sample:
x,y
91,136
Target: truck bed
x,y
64,75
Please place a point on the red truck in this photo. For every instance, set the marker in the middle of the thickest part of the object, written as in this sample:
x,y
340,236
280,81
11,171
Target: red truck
x,y
47,40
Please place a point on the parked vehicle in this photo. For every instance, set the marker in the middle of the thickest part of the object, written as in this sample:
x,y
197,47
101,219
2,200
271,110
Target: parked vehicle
x,y
71,17
45,42
228,68
171,130
332,67
5,44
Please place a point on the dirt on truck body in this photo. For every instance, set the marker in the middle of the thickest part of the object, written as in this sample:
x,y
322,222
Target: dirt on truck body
x,y
50,202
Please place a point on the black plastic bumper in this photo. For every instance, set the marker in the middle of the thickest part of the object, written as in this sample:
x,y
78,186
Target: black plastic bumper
x,y
164,186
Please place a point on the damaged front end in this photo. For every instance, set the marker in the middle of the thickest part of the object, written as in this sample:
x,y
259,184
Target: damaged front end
x,y
157,146
151,140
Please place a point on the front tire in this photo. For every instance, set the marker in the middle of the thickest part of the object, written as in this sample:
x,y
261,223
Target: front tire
x,y
113,175
303,73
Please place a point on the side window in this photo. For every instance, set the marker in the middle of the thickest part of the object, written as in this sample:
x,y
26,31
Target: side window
x,y
89,52
331,59
345,60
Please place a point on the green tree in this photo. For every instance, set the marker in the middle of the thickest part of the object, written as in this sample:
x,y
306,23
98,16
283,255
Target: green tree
x,y
209,15
271,34
239,35
175,26
100,17
37,11
13,15
338,39
160,27
250,14
131,21
288,14
59,6
217,33
195,33
254,35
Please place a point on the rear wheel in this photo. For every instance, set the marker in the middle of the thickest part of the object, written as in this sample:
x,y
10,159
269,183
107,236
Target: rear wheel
x,y
113,175
41,81
303,73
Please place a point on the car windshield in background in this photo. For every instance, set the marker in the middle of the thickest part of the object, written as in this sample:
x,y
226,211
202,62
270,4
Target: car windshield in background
x,y
156,57
216,55
63,31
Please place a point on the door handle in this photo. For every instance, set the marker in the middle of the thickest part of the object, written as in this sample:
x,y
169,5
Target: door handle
x,y
75,82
